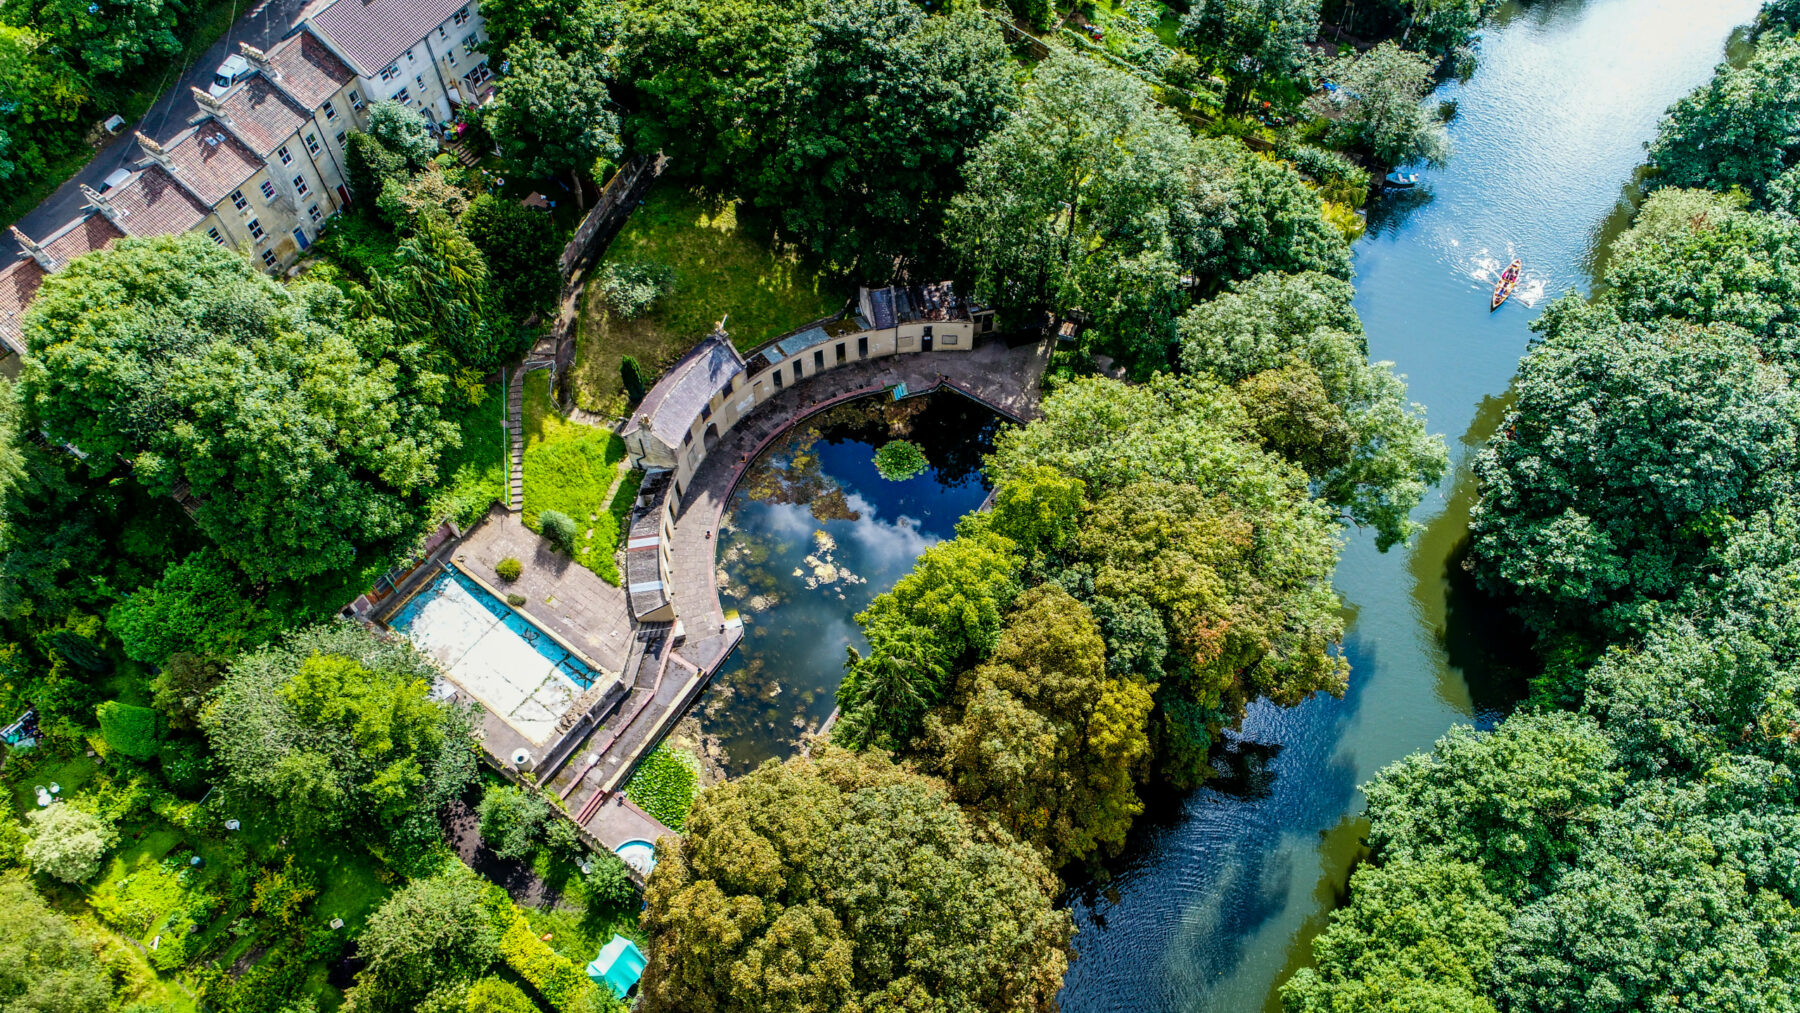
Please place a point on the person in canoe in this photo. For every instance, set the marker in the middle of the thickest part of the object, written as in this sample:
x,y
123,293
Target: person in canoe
x,y
1509,280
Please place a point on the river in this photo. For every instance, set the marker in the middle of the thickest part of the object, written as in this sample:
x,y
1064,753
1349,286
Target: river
x,y
1220,891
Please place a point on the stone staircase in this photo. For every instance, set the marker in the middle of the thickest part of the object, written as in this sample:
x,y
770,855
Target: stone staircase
x,y
515,427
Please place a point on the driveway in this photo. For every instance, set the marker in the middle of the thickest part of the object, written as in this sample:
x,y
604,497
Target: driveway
x,y
261,27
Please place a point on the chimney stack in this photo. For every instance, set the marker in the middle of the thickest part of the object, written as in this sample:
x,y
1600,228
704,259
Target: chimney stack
x,y
259,60
31,247
99,202
156,152
209,106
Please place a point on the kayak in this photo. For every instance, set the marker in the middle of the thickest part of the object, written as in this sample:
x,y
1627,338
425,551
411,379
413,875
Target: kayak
x,y
1509,280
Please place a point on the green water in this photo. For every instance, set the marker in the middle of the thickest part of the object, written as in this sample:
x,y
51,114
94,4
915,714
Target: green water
x,y
1220,891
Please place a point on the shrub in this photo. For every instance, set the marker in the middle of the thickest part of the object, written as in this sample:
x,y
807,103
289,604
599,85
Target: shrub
x,y
515,599
898,460
632,375
631,287
610,883
555,976
128,729
511,819
66,842
664,784
1340,180
559,528
508,569
492,995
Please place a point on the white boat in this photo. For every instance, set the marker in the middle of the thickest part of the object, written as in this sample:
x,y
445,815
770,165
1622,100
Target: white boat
x,y
1401,180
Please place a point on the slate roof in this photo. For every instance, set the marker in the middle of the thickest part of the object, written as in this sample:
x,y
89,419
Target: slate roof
x,y
262,115
309,70
212,162
19,281
153,204
672,405
372,33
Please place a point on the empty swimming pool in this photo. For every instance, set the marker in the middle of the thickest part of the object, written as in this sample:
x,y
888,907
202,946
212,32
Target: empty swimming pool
x,y
495,654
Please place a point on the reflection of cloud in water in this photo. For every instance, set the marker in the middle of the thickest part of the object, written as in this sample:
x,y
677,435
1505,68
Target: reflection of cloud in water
x,y
793,522
886,547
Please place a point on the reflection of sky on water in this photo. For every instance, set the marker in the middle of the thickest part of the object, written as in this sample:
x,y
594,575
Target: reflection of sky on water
x,y
799,594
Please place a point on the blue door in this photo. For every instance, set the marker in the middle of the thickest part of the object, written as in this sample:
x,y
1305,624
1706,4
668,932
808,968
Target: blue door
x,y
300,237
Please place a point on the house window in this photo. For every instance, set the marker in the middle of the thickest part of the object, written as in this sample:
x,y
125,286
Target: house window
x,y
282,153
213,234
340,138
450,57
300,186
441,33
797,373
419,79
460,17
840,353
256,229
862,348
389,72
356,101
312,143
469,44
314,213
330,113
402,97
268,258
687,437
409,56
237,200
268,190
706,411
479,75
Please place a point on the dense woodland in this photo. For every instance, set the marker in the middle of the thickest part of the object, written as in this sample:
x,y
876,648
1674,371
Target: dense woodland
x,y
1626,840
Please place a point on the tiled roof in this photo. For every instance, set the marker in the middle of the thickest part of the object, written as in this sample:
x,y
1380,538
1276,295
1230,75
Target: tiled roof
x,y
309,70
153,204
672,405
19,281
83,235
212,161
644,587
371,33
262,115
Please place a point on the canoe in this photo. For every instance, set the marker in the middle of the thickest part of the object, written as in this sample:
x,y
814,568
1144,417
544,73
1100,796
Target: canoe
x,y
1509,280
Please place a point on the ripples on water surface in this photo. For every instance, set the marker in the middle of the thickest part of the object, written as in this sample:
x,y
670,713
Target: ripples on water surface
x,y
1219,891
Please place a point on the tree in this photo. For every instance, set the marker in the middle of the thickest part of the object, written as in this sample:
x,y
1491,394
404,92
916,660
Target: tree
x,y
946,611
370,165
441,292
303,453
632,376
1628,454
200,605
1415,936
1741,129
512,820
1042,739
1077,201
1515,802
129,729
67,842
883,106
493,995
843,882
1293,348
182,686
1250,41
433,931
47,964
338,730
401,130
520,247
1258,215
559,528
553,112
1379,107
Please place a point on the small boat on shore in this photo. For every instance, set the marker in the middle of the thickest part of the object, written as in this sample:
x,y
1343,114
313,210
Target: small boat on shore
x,y
1509,280
1401,180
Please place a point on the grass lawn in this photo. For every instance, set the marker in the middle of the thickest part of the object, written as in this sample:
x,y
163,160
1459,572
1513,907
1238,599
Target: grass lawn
x,y
571,468
724,262
579,927
473,476
69,774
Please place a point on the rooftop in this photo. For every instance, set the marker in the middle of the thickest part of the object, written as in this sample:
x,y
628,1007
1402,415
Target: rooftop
x,y
211,161
904,304
673,404
309,70
19,281
372,33
153,204
261,114
82,236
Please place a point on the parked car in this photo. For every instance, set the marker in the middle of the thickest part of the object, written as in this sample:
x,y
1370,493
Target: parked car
x,y
117,177
233,70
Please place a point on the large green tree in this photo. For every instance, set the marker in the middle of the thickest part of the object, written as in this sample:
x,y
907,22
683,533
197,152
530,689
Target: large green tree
x,y
844,884
1741,129
48,964
1379,107
1250,42
1042,739
433,932
552,111
303,431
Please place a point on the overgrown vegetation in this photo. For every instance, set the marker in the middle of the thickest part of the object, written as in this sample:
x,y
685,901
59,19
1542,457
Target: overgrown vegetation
x,y
664,785
570,473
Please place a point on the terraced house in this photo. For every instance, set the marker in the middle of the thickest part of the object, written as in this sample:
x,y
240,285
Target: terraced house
x,y
261,166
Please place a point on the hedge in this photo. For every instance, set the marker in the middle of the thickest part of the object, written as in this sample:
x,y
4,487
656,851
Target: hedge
x,y
555,976
128,729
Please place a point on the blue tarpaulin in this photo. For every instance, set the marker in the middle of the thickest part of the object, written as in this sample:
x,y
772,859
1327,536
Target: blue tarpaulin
x,y
619,965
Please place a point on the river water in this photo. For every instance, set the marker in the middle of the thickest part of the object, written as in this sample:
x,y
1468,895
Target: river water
x,y
1219,892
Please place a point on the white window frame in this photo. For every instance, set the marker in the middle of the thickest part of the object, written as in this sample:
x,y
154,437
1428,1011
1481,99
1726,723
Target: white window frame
x,y
286,156
330,112
256,230
315,214
300,186
214,234
268,190
268,258
312,143
239,201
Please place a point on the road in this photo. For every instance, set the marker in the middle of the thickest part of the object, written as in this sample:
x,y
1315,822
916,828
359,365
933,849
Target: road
x,y
262,26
